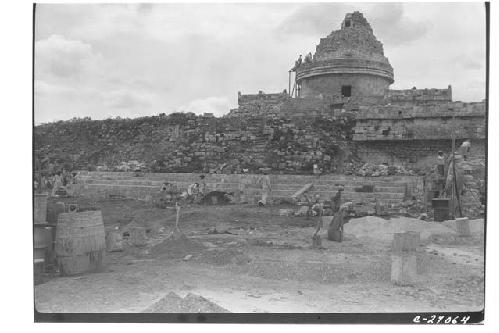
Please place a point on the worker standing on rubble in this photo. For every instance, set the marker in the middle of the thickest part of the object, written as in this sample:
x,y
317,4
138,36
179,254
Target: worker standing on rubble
x,y
203,186
193,190
266,189
336,227
57,183
336,200
464,149
440,163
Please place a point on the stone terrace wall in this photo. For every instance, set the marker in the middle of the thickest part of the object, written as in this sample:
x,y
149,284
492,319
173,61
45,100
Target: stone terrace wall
x,y
305,107
189,143
393,122
416,154
387,191
259,104
418,96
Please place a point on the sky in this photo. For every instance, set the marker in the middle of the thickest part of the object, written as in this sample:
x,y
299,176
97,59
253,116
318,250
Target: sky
x,y
107,61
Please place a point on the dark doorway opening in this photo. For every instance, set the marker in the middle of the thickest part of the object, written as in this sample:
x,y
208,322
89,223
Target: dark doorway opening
x,y
346,91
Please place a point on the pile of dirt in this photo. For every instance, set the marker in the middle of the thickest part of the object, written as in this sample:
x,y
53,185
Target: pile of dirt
x,y
457,240
173,303
475,226
176,246
383,230
223,257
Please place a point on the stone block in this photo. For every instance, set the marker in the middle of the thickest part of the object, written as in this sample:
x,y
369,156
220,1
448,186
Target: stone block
x,y
404,268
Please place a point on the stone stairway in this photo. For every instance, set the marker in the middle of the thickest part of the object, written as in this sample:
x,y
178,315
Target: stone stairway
x,y
367,193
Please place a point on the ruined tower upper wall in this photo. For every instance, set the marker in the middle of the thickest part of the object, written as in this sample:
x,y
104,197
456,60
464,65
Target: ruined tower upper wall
x,y
412,96
350,57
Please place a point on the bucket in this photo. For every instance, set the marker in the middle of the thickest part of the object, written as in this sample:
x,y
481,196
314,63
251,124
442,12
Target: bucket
x,y
41,241
80,242
40,208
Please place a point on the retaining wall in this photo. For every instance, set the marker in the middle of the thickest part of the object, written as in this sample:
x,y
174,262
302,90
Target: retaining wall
x,y
387,191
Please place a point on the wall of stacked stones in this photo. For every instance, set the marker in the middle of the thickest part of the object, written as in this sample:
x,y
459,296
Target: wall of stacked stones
x,y
419,95
420,154
259,104
419,128
435,121
387,191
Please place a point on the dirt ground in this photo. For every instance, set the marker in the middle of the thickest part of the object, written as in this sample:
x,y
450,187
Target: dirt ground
x,y
244,258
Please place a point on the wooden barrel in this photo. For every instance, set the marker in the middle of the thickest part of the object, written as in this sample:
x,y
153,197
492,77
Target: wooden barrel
x,y
80,242
41,239
40,208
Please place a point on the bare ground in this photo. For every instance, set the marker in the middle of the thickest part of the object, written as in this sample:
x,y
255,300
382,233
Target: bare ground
x,y
258,261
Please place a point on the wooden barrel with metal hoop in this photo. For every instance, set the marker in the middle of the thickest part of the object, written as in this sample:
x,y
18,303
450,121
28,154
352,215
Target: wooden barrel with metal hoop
x,y
80,242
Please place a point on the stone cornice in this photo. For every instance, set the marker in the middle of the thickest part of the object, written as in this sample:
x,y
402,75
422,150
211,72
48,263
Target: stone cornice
x,y
346,66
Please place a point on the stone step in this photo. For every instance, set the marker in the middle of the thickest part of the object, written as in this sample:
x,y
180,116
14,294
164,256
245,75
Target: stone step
x,y
326,179
256,191
345,195
295,187
377,188
281,179
228,185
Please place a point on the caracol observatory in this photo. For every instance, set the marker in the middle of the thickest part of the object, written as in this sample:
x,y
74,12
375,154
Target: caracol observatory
x,y
348,62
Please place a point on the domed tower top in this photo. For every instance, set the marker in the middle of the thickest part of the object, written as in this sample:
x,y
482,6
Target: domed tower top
x,y
352,57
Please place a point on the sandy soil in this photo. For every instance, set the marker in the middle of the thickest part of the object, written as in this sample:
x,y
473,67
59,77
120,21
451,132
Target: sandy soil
x,y
250,259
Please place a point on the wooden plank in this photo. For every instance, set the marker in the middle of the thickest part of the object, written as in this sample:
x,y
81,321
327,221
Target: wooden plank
x,y
304,189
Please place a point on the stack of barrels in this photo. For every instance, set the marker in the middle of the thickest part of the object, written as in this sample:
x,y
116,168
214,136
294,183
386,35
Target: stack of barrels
x,y
42,233
80,242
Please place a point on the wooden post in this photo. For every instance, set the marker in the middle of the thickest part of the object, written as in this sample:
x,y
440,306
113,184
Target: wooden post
x,y
177,215
289,83
404,258
453,168
455,193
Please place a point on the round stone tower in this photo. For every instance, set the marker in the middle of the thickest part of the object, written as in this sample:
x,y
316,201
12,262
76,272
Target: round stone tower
x,y
349,62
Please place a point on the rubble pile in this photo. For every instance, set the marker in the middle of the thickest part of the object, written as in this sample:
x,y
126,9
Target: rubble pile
x,y
473,197
177,246
412,208
173,303
184,142
377,170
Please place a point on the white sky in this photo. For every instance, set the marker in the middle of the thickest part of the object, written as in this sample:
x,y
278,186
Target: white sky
x,y
134,60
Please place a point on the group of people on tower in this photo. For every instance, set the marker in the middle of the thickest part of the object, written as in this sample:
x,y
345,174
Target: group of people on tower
x,y
307,60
